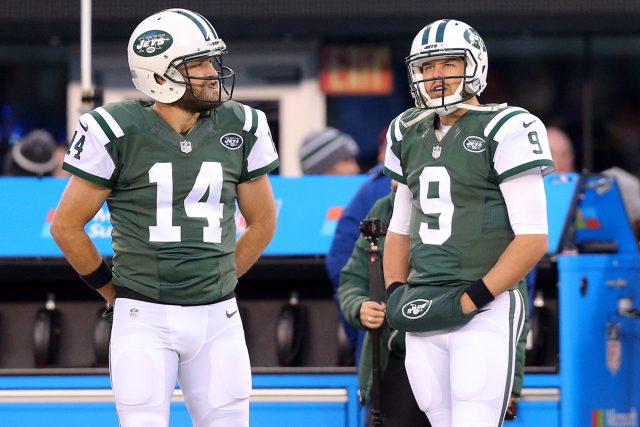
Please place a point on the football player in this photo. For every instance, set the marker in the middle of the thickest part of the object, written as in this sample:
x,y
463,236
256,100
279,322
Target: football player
x,y
171,170
469,222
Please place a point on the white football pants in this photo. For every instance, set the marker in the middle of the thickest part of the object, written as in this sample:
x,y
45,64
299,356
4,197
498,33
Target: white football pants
x,y
464,378
203,347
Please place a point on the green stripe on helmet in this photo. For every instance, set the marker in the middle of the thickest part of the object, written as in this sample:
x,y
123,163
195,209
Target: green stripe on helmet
x,y
213,30
195,21
440,31
425,35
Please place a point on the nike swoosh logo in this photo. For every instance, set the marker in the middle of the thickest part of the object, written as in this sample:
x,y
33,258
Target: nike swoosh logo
x,y
528,124
230,315
84,127
482,311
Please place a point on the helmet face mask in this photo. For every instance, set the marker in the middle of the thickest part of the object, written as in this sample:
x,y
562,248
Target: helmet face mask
x,y
447,39
164,45
178,73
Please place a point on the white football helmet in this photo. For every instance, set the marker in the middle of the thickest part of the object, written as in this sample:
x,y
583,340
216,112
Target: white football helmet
x,y
447,38
167,39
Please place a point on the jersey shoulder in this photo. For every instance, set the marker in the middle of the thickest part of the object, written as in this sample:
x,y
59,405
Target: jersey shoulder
x,y
91,153
407,116
242,123
230,113
502,122
235,115
127,111
118,119
521,143
404,122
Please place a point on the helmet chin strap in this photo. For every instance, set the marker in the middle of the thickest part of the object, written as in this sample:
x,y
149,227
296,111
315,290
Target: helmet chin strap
x,y
448,104
454,104
445,111
426,113
449,109
482,107
417,118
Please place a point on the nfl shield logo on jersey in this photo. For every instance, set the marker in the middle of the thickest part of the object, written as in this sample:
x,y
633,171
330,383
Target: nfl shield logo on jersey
x,y
185,146
436,151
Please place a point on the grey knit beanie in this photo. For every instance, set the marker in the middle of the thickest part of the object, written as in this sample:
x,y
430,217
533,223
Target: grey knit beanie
x,y
319,151
34,155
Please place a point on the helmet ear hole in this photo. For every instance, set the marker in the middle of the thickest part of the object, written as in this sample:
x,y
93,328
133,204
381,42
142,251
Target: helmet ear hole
x,y
159,79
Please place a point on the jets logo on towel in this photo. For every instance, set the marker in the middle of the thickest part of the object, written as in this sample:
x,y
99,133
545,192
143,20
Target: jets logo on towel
x,y
416,308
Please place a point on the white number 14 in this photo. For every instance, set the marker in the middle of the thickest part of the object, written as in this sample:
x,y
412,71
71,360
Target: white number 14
x,y
209,178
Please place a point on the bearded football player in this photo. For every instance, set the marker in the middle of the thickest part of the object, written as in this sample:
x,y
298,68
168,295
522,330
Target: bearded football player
x,y
170,169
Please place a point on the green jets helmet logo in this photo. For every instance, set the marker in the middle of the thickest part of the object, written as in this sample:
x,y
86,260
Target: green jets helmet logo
x,y
416,308
232,141
473,38
474,144
152,43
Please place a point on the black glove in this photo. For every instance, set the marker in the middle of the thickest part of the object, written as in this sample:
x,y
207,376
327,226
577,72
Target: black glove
x,y
427,308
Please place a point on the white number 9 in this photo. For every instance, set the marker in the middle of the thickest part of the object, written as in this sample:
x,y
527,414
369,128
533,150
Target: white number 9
x,y
435,202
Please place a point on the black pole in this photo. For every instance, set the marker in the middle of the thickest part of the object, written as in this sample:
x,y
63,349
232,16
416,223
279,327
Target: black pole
x,y
375,283
373,229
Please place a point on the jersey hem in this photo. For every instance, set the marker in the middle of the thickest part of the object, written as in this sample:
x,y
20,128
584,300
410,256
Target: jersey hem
x,y
524,167
82,174
125,292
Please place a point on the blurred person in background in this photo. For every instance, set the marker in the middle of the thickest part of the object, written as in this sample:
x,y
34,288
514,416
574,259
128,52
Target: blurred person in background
x,y
32,155
329,152
561,150
397,403
629,185
563,158
348,230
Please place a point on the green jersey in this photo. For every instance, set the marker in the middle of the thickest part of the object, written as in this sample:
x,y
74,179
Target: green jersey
x,y
173,196
459,222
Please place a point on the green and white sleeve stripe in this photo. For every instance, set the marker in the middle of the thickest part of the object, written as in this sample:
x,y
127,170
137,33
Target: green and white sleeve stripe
x,y
392,164
522,143
250,119
263,157
88,157
500,119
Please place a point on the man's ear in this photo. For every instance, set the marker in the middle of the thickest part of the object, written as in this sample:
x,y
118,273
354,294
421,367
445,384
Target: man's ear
x,y
159,79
